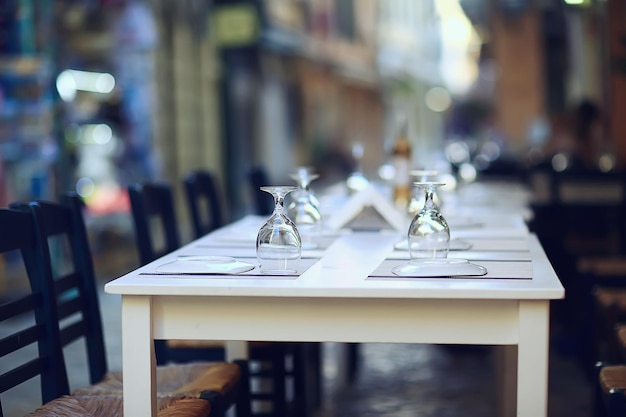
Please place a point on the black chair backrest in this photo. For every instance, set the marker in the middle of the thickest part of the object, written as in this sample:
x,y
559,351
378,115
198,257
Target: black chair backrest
x,y
263,202
30,318
203,201
154,218
62,227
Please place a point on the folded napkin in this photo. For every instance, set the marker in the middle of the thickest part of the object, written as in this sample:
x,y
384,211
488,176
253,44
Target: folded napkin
x,y
203,265
439,268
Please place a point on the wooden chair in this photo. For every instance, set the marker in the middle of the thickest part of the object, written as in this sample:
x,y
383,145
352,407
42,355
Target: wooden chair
x,y
61,226
20,329
581,224
154,219
156,234
263,203
610,389
268,360
203,201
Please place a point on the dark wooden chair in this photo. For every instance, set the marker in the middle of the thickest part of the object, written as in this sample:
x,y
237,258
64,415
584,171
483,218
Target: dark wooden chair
x,y
156,234
154,219
263,203
204,202
61,231
610,390
29,318
272,365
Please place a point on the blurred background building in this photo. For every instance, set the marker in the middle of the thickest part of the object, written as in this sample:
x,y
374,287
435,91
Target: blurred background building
x,y
96,94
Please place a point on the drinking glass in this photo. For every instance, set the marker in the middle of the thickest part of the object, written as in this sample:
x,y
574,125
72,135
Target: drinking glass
x,y
278,243
429,233
304,209
429,242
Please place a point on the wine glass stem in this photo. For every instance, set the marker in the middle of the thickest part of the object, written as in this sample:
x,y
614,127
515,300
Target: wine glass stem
x,y
278,204
429,203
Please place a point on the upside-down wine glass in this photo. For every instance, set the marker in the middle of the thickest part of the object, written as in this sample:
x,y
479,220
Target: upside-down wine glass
x,y
278,243
429,242
429,233
304,209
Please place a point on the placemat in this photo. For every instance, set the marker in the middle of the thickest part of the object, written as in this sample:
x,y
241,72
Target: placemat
x,y
255,273
495,270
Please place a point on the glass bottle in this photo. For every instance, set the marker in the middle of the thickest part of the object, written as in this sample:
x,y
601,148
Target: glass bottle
x,y
402,167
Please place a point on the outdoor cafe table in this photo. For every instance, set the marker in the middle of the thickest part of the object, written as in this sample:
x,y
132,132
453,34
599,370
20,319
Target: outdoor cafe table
x,y
336,299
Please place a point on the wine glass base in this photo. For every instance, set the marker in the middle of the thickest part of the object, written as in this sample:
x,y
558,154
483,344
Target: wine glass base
x,y
439,267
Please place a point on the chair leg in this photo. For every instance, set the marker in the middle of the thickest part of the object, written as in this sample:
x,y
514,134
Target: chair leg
x,y
243,402
598,394
616,403
317,375
354,362
306,379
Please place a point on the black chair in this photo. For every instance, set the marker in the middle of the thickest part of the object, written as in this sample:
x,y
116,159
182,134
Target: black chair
x,y
154,219
31,316
610,390
156,234
273,365
263,203
61,230
203,201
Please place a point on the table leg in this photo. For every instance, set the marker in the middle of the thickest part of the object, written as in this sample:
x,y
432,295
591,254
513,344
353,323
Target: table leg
x,y
138,359
532,360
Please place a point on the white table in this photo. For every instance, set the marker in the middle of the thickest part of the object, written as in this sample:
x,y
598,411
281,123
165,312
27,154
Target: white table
x,y
333,301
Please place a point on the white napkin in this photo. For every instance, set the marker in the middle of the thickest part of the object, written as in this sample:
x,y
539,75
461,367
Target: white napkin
x,y
203,265
368,196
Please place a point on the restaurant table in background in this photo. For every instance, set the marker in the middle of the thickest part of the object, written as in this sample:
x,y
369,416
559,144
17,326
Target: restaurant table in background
x,y
343,294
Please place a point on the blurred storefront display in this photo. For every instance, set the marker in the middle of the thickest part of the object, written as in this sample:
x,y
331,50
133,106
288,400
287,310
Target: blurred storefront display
x,y
28,148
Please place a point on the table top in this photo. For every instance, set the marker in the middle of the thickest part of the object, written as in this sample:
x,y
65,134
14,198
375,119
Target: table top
x,y
343,269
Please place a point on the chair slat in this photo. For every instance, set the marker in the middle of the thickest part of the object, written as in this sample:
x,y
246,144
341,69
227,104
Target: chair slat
x,y
17,307
66,283
21,339
22,373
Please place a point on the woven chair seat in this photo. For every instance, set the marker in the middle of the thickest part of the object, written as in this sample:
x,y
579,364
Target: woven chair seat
x,y
112,406
613,377
176,381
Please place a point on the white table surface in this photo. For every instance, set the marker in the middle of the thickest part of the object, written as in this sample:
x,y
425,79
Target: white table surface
x,y
333,301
